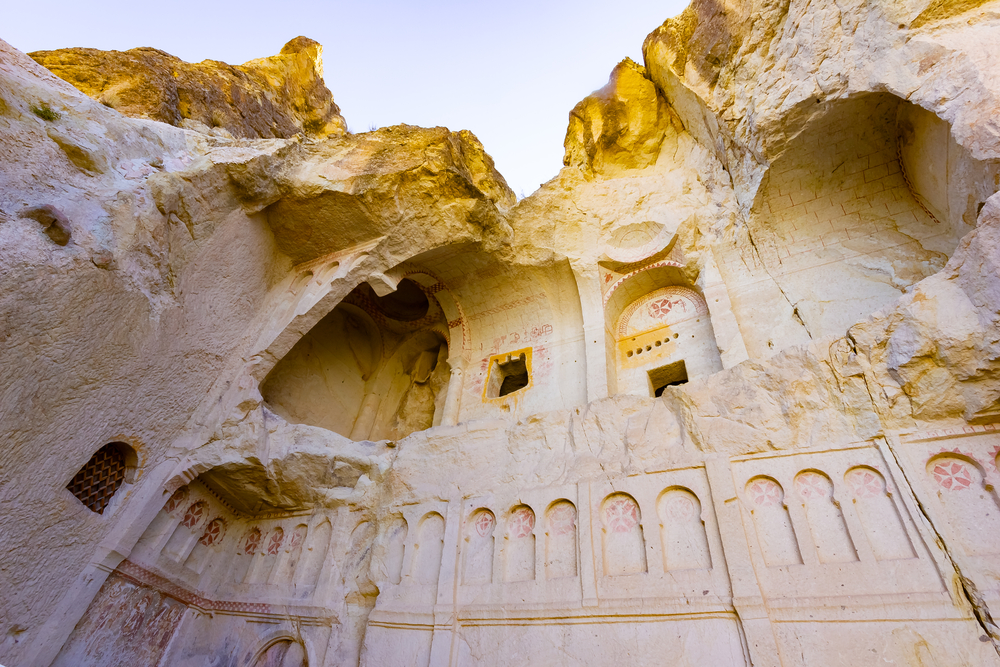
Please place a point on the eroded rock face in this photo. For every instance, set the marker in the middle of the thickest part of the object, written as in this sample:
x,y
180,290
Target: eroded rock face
x,y
276,97
724,389
621,126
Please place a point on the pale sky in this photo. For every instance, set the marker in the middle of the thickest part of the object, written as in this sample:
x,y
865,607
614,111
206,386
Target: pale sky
x,y
510,72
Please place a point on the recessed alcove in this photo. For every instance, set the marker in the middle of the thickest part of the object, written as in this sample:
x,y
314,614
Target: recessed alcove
x,y
660,332
406,304
670,375
867,196
373,368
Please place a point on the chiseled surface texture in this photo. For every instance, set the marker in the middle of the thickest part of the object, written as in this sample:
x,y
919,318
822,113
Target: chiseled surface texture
x,y
724,389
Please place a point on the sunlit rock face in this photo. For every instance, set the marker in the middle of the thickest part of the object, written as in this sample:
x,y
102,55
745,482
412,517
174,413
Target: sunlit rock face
x,y
280,96
724,389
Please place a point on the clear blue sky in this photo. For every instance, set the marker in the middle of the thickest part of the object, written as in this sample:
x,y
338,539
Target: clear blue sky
x,y
508,71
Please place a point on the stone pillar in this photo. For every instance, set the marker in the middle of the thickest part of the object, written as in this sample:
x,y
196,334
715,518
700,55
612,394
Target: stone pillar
x,y
747,597
588,286
728,338
443,644
585,530
453,399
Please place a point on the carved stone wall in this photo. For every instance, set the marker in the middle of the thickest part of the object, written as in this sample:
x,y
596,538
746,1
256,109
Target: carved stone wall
x,y
722,392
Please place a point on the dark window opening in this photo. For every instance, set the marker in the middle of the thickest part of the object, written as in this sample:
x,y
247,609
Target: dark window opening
x,y
512,383
508,377
96,483
407,304
667,376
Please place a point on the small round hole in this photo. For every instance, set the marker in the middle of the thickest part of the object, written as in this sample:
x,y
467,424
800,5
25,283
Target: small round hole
x,y
658,343
648,348
629,353
675,335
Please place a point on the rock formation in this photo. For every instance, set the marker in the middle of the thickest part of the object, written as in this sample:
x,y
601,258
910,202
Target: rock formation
x,y
724,389
276,97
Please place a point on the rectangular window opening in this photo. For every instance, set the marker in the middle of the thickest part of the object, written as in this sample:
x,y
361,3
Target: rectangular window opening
x,y
508,376
667,376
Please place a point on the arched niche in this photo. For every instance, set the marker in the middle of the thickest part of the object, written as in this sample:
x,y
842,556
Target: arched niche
x,y
519,548
775,533
682,531
969,501
395,547
479,547
429,548
374,368
878,514
660,332
867,196
560,540
283,652
322,379
624,547
830,534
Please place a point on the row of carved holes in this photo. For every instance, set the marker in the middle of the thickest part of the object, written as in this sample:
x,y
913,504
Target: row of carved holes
x,y
639,350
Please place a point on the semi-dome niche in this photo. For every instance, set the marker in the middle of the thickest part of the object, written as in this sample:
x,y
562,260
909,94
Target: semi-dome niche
x,y
866,197
661,331
374,368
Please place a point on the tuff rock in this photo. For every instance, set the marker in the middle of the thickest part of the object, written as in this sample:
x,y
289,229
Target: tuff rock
x,y
276,97
725,389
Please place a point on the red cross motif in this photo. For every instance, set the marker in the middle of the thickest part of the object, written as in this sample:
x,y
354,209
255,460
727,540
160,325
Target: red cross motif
x,y
193,516
865,483
812,485
213,532
298,537
274,544
484,524
253,542
661,307
175,501
765,493
680,507
952,475
522,522
562,519
621,515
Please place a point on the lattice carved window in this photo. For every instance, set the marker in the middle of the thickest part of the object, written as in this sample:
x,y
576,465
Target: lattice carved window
x,y
107,469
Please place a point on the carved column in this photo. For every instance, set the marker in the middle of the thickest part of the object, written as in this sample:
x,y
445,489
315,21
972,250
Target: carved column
x,y
728,337
747,597
453,400
588,286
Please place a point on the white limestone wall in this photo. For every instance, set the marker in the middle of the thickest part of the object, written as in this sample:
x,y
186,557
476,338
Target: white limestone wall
x,y
766,558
